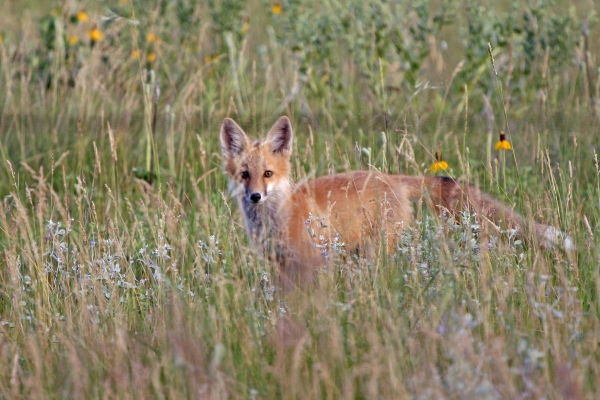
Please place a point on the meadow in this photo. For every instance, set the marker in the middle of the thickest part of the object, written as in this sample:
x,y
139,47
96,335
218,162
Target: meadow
x,y
125,268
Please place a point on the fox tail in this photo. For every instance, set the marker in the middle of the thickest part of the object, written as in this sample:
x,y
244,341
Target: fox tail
x,y
446,194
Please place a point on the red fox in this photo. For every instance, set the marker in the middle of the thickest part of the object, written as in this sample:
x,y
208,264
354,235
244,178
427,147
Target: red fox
x,y
290,223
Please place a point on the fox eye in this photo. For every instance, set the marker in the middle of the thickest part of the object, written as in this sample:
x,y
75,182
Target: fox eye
x,y
245,175
268,174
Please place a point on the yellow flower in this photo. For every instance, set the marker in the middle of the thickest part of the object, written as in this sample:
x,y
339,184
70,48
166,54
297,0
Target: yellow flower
x,y
55,12
503,144
73,39
276,9
1,38
210,58
82,16
439,164
245,25
96,35
135,54
151,37
151,56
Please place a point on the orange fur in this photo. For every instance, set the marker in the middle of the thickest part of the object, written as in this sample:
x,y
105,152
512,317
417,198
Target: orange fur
x,y
294,223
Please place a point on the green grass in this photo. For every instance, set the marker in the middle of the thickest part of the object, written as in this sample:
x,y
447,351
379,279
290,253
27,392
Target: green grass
x,y
112,287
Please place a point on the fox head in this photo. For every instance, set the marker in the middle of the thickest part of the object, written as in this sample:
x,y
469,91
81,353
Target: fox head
x,y
258,171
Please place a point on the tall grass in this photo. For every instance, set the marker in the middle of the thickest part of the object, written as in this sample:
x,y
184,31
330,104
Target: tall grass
x,y
115,287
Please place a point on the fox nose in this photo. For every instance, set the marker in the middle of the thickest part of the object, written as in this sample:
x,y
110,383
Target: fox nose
x,y
255,197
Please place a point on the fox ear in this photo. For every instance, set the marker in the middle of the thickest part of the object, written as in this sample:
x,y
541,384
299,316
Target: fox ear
x,y
233,139
280,137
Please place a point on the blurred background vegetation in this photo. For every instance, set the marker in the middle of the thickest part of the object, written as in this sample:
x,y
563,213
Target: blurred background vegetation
x,y
422,67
